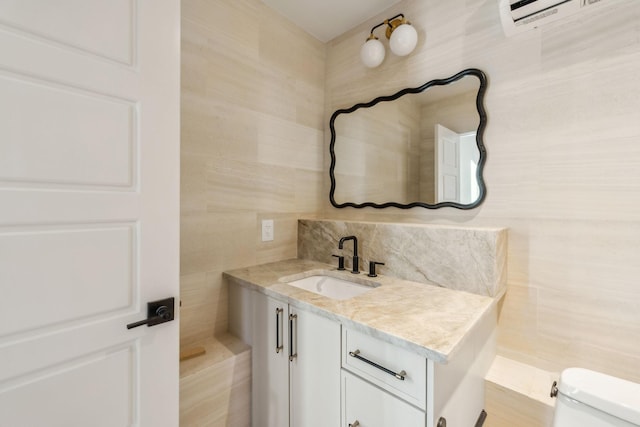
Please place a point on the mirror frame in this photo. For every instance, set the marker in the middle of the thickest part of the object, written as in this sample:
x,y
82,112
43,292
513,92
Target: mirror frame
x,y
479,142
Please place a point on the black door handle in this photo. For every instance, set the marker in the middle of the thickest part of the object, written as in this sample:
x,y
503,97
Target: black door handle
x,y
160,311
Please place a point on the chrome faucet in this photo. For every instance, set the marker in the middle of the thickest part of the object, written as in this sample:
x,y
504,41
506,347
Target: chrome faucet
x,y
356,267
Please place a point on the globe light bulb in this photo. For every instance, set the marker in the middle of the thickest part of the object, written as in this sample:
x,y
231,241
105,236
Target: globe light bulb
x,y
372,53
403,39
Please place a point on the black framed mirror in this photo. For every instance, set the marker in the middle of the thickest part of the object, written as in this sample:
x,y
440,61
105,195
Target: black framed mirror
x,y
420,147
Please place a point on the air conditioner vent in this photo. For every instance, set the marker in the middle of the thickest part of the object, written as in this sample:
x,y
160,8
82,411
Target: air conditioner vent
x,y
522,15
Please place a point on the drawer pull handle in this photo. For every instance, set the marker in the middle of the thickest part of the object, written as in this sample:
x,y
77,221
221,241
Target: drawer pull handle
x,y
356,423
399,375
279,345
292,355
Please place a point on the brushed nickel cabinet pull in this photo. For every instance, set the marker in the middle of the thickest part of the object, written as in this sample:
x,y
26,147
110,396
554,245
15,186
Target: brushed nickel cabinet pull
x,y
399,375
356,423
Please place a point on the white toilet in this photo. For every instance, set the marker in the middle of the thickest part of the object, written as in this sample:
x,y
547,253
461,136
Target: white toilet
x,y
592,399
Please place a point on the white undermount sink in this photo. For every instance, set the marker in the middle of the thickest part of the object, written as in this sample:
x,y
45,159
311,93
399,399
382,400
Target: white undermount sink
x,y
332,287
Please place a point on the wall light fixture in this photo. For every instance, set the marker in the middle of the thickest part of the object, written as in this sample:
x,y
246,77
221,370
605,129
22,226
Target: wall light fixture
x,y
402,40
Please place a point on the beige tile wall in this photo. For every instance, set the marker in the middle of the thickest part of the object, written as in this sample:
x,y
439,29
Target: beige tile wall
x,y
563,170
252,146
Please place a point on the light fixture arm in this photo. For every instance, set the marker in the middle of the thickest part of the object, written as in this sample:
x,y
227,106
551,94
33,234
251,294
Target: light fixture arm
x,y
391,24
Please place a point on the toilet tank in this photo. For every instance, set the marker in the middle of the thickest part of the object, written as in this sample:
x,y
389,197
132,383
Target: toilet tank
x,y
592,399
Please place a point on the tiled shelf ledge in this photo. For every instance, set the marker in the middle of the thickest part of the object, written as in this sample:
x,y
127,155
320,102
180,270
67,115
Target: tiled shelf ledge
x,y
215,387
517,394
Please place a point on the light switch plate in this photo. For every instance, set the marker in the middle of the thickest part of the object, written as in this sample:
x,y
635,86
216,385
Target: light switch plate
x,y
267,230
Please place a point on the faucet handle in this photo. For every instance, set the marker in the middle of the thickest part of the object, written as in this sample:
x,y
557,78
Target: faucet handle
x,y
372,268
340,261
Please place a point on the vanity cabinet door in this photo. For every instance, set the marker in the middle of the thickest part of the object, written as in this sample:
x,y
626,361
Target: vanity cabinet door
x,y
365,405
315,371
296,366
270,363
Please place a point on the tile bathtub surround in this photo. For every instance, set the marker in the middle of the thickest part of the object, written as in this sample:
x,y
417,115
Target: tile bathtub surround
x,y
471,259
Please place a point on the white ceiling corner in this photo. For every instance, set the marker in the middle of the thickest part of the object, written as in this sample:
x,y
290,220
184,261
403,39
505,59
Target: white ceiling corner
x,y
327,19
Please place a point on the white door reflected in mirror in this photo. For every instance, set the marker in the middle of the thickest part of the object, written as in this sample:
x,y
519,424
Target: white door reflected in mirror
x,y
456,166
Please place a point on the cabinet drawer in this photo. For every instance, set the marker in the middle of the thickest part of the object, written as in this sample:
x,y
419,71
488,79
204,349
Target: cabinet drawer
x,y
372,407
378,361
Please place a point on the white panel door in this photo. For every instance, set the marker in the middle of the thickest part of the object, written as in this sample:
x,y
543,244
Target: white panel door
x,y
89,211
469,158
447,165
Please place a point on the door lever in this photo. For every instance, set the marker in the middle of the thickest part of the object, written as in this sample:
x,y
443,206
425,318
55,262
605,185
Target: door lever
x,y
160,311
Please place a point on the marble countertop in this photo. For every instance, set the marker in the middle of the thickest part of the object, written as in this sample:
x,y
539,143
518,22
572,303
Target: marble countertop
x,y
429,320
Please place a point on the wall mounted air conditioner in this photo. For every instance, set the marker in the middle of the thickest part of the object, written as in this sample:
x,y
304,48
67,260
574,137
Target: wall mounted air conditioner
x,y
522,15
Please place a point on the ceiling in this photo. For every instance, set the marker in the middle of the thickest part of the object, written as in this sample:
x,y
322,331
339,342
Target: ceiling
x,y
327,19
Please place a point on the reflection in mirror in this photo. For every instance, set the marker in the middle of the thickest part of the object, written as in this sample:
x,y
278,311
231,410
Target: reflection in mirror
x,y
419,147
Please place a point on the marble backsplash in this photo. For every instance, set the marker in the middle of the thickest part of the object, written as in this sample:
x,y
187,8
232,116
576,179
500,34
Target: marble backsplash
x,y
471,259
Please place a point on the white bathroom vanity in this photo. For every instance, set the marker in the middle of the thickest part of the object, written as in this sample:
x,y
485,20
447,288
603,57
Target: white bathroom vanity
x,y
401,353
